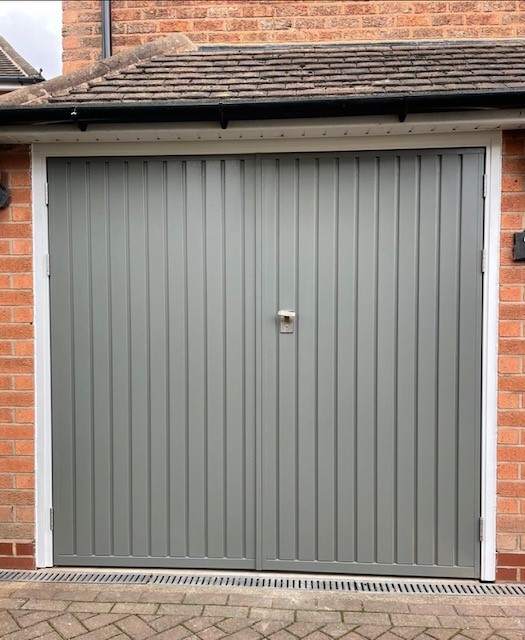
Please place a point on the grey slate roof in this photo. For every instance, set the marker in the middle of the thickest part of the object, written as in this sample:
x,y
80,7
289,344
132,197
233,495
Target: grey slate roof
x,y
176,71
13,68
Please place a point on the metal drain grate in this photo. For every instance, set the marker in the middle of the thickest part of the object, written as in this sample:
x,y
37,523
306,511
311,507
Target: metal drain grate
x,y
268,582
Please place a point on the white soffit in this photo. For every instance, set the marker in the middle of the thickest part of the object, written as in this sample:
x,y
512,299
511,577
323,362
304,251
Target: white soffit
x,y
266,129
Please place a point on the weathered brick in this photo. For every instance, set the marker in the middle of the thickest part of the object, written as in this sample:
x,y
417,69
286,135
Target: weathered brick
x,y
241,21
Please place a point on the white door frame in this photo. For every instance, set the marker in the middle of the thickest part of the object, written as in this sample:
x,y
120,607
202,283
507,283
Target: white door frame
x,y
491,141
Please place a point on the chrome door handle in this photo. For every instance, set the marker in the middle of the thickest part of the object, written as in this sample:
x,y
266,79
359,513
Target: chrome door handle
x,y
287,320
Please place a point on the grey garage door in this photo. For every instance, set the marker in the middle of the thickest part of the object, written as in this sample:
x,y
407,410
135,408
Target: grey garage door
x,y
188,431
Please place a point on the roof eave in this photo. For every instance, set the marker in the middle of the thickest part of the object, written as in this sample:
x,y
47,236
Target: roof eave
x,y
84,114
18,81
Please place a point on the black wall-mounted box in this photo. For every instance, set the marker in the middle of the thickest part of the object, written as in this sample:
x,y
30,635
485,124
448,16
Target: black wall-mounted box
x,y
519,246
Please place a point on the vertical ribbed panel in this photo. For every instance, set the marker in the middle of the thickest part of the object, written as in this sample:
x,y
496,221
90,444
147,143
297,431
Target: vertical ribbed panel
x,y
153,361
371,409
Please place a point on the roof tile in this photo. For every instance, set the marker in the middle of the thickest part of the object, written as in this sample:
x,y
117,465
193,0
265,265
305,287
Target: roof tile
x,y
226,74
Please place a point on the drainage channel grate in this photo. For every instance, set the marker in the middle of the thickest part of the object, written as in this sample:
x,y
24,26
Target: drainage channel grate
x,y
319,584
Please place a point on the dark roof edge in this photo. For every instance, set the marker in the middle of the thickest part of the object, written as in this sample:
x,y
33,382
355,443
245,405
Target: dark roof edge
x,y
82,115
28,69
20,80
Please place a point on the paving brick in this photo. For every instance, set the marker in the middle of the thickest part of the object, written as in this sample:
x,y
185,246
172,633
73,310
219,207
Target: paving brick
x,y
478,634
499,622
414,620
11,603
6,589
297,602
46,605
408,633
30,618
231,625
67,626
189,610
433,609
382,606
167,622
205,598
83,615
135,628
73,595
514,610
175,633
317,635
458,622
7,623
226,611
163,597
147,617
268,627
203,622
371,631
102,620
211,633
486,609
441,634
250,600
352,617
35,631
102,634
136,608
28,591
322,617
335,630
245,634
338,603
91,607
302,629
272,614
280,635
122,594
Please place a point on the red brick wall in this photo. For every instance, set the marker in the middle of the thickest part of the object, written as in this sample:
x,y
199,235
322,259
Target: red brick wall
x,y
275,21
17,497
511,401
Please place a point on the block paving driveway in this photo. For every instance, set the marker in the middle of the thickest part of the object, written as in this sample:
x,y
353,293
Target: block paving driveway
x,y
98,612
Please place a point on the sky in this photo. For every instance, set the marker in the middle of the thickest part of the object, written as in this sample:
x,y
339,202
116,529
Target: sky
x,y
33,28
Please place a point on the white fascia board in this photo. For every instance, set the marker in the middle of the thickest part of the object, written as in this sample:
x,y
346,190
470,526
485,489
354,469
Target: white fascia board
x,y
270,129
5,87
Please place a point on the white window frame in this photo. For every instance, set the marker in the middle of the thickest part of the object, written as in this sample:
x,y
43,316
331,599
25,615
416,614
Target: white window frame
x,y
289,141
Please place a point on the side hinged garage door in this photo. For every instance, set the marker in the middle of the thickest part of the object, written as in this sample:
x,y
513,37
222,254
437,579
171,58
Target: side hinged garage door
x,y
189,431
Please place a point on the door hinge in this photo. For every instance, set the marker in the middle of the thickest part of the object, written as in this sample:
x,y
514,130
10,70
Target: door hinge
x,y
48,265
485,185
483,260
46,193
481,529
51,519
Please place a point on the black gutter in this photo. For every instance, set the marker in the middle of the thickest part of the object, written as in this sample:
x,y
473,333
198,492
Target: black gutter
x,y
21,80
83,115
106,28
